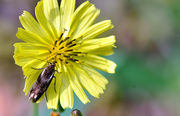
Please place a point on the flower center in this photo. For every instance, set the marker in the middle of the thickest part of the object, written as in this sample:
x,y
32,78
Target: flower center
x,y
65,50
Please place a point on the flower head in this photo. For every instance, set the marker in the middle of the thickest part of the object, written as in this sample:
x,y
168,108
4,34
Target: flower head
x,y
69,38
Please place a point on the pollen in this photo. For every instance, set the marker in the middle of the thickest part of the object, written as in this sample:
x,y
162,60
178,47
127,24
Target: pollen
x,y
65,49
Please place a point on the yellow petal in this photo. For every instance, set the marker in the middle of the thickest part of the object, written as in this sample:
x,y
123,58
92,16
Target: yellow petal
x,y
98,62
51,11
30,24
87,82
80,11
29,37
95,44
53,95
66,11
76,86
97,77
66,92
31,73
97,29
48,27
105,51
83,17
25,52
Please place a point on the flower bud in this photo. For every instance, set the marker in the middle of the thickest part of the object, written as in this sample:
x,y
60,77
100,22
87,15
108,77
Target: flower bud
x,y
54,114
76,112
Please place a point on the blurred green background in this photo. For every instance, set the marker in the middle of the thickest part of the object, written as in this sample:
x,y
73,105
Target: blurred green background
x,y
147,79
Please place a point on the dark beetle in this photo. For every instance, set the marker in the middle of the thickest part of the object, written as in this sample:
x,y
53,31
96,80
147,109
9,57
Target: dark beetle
x,y
43,82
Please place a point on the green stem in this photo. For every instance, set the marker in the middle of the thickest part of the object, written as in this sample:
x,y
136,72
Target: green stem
x,y
35,109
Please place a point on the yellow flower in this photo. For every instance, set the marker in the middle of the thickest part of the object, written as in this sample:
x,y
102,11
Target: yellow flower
x,y
69,37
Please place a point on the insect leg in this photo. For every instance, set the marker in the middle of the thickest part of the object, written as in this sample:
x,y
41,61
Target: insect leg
x,y
57,71
46,96
54,84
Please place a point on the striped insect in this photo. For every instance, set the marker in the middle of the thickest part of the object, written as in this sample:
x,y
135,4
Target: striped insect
x,y
42,83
